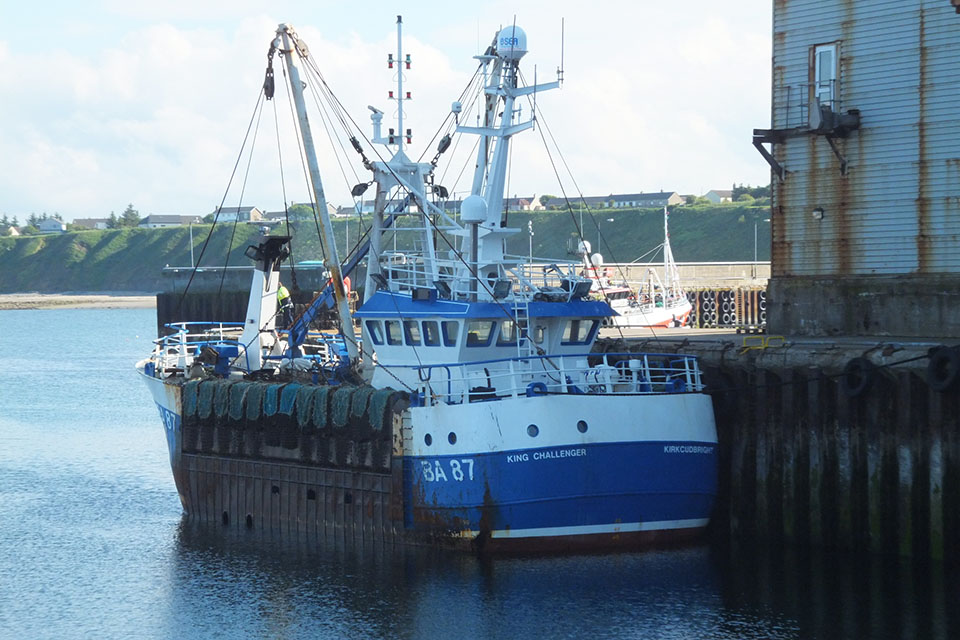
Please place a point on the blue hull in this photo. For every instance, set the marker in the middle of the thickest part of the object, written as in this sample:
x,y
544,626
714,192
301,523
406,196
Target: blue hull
x,y
570,490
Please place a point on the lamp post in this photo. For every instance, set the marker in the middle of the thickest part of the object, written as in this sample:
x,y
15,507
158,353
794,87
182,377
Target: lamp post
x,y
530,231
755,224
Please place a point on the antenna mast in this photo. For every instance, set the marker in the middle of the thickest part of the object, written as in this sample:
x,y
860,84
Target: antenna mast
x,y
400,84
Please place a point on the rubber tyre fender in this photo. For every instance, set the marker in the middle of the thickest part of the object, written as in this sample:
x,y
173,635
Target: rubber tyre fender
x,y
943,369
857,377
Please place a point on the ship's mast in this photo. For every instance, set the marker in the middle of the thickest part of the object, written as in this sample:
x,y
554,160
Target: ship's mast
x,y
501,70
288,44
400,84
671,275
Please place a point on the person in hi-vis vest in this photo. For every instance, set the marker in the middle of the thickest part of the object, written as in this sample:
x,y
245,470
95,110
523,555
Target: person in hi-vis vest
x,y
284,306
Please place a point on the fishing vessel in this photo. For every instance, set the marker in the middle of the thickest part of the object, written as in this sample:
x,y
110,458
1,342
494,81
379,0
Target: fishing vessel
x,y
472,410
655,302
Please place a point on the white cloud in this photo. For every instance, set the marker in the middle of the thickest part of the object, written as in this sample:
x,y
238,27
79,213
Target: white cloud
x,y
149,103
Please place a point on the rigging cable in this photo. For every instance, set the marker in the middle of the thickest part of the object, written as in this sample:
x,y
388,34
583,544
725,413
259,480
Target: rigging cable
x,y
243,188
283,190
303,161
539,112
216,216
471,269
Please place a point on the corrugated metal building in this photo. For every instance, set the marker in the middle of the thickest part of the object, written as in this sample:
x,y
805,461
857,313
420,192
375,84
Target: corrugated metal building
x,y
865,141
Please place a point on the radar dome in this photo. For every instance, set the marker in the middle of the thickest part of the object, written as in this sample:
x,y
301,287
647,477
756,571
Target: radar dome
x,y
597,260
473,209
511,43
583,247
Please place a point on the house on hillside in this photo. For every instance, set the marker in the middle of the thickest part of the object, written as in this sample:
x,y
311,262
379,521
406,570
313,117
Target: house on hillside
x,y
10,231
159,221
238,214
620,200
719,196
281,216
523,204
91,223
657,199
591,202
51,225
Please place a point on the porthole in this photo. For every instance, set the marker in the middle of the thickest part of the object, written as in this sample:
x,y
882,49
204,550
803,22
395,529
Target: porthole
x,y
452,438
533,430
582,426
428,439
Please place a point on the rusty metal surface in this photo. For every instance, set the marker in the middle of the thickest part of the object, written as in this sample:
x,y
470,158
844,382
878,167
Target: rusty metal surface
x,y
897,209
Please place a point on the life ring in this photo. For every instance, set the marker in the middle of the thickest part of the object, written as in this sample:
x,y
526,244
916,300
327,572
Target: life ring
x,y
536,389
943,370
857,377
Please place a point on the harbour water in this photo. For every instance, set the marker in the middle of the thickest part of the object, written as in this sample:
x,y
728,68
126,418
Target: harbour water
x,y
93,544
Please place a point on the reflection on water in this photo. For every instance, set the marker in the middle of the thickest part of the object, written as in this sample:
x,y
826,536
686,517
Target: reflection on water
x,y
92,544
413,592
842,595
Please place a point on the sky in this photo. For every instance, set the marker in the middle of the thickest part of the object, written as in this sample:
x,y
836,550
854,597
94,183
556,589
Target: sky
x,y
110,102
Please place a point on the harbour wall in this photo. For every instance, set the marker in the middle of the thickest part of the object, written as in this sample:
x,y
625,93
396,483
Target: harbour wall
x,y
816,451
229,306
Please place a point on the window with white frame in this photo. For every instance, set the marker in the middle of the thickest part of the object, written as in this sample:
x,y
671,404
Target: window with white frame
x,y
825,67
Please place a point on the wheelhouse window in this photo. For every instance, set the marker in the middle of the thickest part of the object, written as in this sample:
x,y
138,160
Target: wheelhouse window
x,y
375,332
431,333
480,332
392,330
450,329
579,331
539,333
509,334
411,331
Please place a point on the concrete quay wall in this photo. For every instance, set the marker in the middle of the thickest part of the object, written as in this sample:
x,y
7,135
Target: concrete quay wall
x,y
810,458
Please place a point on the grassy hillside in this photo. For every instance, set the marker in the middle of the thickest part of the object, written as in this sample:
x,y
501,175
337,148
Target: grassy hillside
x,y
131,259
701,233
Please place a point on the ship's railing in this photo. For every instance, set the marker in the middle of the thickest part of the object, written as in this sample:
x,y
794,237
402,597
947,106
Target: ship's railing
x,y
515,277
792,104
587,373
175,352
546,274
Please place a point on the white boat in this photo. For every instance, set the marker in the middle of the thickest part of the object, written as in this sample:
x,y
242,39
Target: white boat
x,y
486,422
654,302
